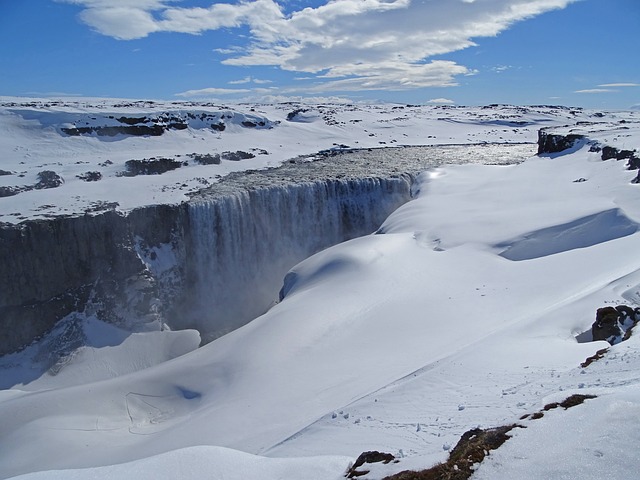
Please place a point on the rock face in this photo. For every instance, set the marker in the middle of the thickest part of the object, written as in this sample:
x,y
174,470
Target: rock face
x,y
213,263
157,124
72,264
554,143
613,323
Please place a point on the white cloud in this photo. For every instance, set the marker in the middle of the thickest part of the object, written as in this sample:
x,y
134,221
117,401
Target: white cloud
x,y
620,85
441,101
351,44
210,92
240,82
501,68
391,76
595,90
245,80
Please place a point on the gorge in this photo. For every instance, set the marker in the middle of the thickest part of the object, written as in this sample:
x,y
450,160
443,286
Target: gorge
x,y
214,262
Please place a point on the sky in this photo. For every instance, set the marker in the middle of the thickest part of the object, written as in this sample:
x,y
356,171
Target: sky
x,y
463,52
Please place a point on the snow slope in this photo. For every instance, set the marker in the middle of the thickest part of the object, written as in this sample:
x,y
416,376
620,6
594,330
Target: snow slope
x,y
462,311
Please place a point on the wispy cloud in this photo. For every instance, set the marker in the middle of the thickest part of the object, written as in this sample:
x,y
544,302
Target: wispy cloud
x,y
245,80
615,85
595,90
211,92
350,44
441,101
501,68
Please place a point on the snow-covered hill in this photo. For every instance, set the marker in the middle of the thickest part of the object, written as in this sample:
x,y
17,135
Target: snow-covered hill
x,y
462,311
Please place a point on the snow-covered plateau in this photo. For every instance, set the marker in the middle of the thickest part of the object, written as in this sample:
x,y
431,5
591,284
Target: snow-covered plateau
x,y
266,291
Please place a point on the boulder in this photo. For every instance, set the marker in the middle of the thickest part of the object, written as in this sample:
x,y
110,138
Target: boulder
x,y
48,179
614,324
554,143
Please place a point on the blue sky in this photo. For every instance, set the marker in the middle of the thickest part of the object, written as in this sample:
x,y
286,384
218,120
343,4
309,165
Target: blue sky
x,y
467,52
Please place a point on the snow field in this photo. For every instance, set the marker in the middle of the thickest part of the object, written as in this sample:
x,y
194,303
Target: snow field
x,y
398,342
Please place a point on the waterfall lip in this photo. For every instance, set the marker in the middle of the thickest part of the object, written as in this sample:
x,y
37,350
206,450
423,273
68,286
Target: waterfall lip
x,y
383,162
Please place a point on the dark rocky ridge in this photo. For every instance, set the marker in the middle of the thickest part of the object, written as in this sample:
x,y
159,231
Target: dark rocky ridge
x,y
555,143
549,143
157,124
214,262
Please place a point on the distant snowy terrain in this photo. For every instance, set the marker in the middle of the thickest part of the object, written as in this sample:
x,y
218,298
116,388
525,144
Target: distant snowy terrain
x,y
87,144
462,311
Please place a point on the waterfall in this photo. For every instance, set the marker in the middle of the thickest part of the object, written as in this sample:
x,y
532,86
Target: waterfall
x,y
238,248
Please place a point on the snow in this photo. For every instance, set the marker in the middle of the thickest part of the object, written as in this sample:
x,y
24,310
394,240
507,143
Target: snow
x,y
32,140
215,463
462,311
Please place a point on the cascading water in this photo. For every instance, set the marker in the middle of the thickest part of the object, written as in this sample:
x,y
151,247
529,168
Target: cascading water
x,y
239,247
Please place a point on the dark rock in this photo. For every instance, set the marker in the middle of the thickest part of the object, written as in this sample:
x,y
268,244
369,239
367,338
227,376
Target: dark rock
x,y
60,266
626,311
112,131
11,191
48,179
218,127
90,176
594,358
471,449
614,324
206,158
291,116
606,326
553,143
132,120
633,163
237,156
5,172
368,457
152,166
612,152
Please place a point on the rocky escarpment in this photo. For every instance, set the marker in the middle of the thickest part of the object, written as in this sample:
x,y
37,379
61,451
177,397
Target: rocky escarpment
x,y
105,124
74,264
550,142
214,262
157,124
554,143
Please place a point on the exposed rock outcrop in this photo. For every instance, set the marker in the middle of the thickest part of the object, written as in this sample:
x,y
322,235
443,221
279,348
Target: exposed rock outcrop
x,y
151,166
614,323
158,124
555,143
368,457
48,179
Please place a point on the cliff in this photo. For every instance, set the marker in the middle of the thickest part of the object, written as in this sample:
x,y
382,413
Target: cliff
x,y
213,263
